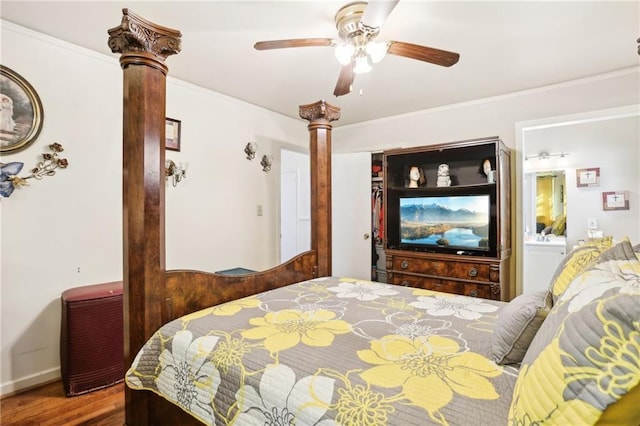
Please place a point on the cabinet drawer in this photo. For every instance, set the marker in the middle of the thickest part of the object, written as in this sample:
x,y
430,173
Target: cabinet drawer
x,y
479,290
446,269
446,286
419,266
469,271
435,284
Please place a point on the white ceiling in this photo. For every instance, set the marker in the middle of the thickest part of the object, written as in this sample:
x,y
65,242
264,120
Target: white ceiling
x,y
504,47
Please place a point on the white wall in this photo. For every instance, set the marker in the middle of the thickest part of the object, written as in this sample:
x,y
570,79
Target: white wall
x,y
66,230
495,116
212,220
63,222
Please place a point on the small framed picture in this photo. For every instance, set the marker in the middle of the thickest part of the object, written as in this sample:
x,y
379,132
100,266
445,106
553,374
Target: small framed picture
x,y
172,134
588,177
615,200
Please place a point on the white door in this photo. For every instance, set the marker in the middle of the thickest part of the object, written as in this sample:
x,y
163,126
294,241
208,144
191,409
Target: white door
x,y
295,219
351,215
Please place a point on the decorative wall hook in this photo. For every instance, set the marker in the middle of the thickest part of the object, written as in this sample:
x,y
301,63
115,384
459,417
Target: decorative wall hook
x,y
9,179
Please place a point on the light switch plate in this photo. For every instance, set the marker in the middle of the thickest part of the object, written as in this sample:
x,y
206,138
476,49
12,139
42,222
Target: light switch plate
x,y
592,223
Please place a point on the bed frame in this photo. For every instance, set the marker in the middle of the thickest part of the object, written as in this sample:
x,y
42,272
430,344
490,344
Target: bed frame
x,y
152,295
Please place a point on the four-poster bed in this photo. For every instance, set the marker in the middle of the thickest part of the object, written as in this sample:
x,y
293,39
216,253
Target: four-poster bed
x,y
329,350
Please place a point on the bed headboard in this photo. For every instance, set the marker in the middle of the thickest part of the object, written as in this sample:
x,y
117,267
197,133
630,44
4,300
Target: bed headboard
x,y
153,295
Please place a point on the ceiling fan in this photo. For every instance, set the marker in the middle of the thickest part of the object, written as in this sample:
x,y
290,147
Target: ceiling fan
x,y
358,26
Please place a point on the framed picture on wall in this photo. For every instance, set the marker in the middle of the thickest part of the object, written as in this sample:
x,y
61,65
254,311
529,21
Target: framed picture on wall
x,y
615,200
21,114
172,134
588,177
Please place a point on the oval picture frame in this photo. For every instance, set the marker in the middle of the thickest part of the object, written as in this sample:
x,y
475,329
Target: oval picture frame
x,y
21,114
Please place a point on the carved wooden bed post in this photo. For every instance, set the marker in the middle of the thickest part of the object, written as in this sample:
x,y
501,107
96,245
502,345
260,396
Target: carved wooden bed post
x,y
152,295
143,47
320,115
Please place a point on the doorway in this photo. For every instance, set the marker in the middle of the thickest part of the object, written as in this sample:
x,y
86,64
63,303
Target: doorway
x,y
605,139
351,216
295,201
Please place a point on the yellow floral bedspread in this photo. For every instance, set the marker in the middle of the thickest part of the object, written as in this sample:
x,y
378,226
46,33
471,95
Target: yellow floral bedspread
x,y
332,351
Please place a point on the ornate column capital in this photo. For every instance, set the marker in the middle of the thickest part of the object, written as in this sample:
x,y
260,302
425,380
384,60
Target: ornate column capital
x,y
320,111
141,41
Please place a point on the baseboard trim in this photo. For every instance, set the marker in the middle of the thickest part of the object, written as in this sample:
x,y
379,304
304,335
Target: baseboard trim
x,y
29,382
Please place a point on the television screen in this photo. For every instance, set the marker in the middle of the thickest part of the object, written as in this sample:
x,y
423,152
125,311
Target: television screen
x,y
457,222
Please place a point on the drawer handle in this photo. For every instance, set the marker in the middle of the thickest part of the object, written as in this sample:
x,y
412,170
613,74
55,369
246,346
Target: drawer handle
x,y
405,283
473,272
473,293
404,264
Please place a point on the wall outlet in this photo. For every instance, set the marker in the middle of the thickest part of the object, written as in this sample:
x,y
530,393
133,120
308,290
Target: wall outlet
x,y
592,223
259,210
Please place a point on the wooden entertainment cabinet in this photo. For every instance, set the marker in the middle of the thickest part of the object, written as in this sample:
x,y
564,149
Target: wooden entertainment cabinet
x,y
481,271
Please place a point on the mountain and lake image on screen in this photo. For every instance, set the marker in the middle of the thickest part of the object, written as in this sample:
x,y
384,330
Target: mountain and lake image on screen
x,y
460,221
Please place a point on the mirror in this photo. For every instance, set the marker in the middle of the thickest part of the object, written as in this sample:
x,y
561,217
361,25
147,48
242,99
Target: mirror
x,y
547,203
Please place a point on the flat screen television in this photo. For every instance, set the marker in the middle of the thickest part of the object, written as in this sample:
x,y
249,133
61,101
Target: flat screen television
x,y
447,223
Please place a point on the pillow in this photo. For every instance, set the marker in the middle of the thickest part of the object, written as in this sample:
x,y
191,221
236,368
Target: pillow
x,y
583,365
576,261
621,413
559,226
516,326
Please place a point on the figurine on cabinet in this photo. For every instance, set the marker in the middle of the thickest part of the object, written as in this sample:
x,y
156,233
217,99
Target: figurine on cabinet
x,y
487,168
416,177
443,175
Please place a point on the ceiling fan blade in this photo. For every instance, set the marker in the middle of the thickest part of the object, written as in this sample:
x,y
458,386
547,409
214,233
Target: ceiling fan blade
x,y
345,80
378,11
423,53
296,42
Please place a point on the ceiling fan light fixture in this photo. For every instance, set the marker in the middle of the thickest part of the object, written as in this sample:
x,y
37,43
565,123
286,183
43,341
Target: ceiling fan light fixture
x,y
362,65
355,47
344,52
376,51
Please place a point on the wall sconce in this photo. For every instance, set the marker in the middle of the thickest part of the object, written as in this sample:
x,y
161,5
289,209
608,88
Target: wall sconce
x,y
175,172
266,162
250,150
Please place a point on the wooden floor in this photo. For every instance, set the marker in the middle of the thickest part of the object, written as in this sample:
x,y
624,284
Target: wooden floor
x,y
48,406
